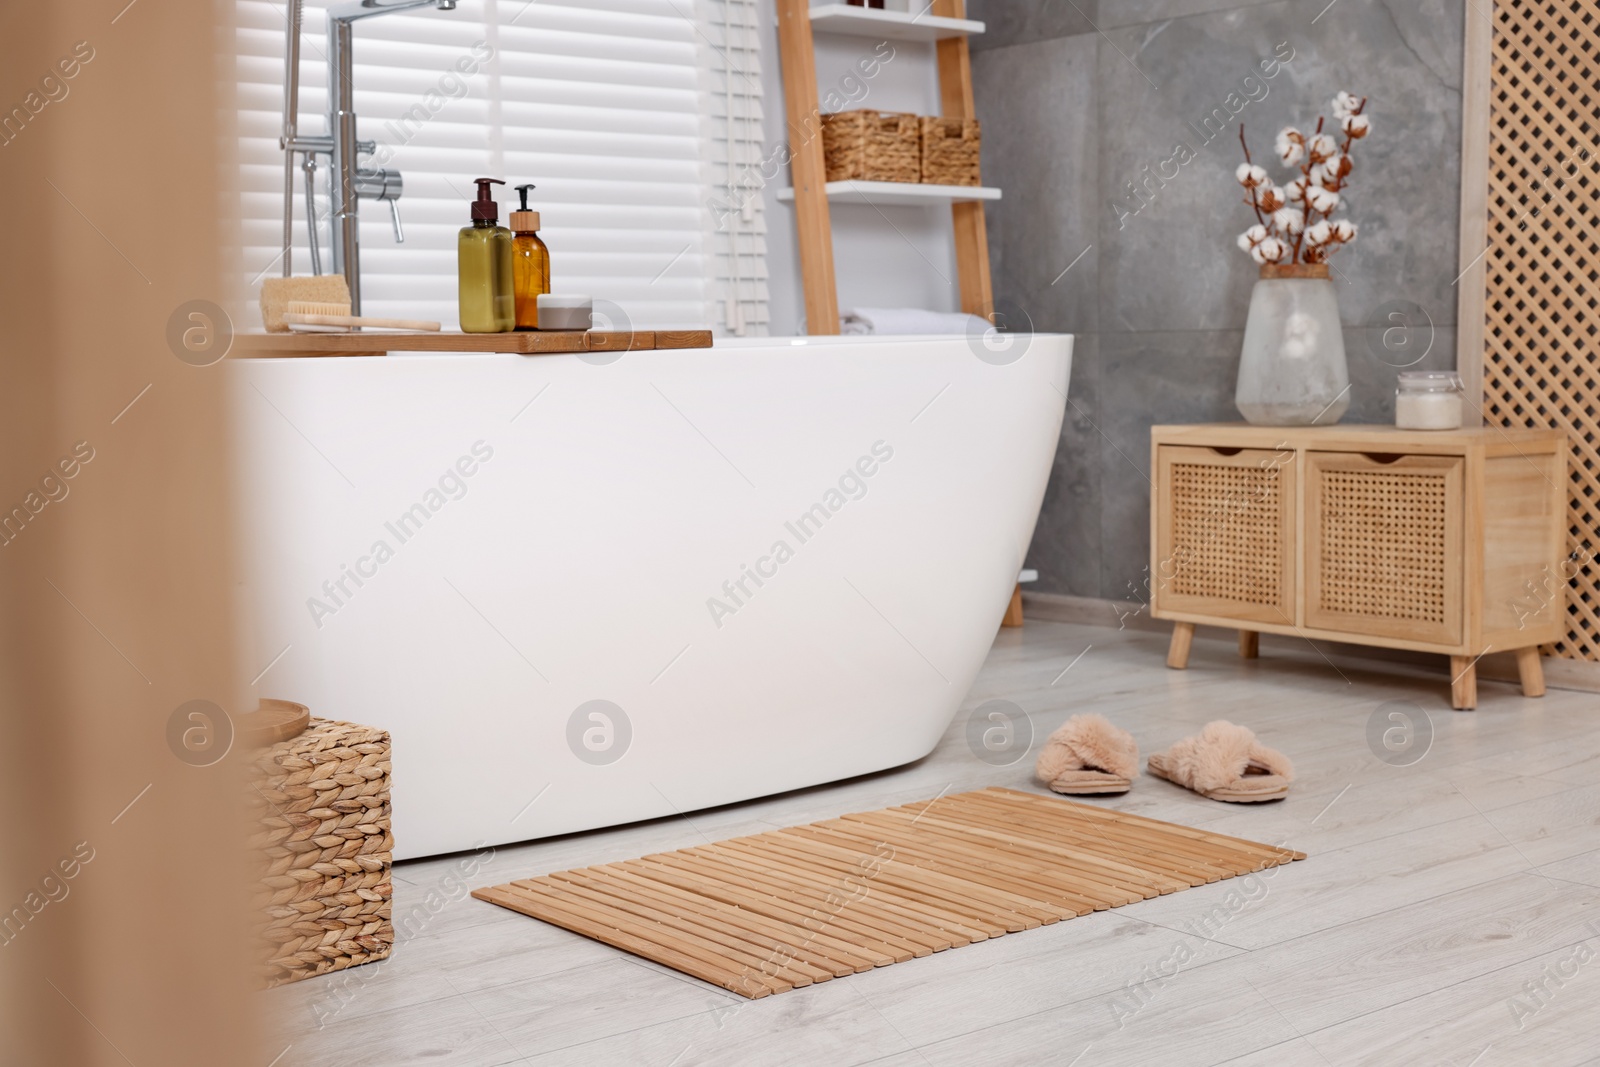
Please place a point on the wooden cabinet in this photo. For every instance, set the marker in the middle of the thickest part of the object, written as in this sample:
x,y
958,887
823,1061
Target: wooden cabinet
x,y
1365,534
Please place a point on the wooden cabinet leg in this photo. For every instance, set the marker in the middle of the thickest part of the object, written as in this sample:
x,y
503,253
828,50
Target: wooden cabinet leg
x,y
1531,670
1014,612
1463,683
1249,644
1178,651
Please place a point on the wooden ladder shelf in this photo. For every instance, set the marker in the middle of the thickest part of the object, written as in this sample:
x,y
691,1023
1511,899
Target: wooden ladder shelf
x,y
812,219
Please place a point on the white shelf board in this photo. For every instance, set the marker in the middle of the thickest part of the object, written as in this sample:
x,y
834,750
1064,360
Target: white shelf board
x,y
897,193
898,25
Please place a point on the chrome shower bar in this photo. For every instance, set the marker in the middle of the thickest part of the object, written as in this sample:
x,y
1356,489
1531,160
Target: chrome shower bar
x,y
291,117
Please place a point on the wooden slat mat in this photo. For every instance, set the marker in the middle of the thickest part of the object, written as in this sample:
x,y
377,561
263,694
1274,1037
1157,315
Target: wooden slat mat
x,y
768,913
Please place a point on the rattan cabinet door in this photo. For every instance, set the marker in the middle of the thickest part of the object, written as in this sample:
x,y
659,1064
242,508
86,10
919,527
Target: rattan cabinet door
x,y
1223,543
1383,545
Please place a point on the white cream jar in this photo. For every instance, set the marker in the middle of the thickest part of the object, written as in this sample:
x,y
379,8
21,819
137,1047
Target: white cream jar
x,y
560,312
1429,400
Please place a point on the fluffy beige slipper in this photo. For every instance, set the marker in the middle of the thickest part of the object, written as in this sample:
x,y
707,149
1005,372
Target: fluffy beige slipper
x,y
1224,761
1088,755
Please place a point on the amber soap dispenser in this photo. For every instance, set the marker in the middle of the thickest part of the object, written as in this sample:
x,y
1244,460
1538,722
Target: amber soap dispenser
x,y
483,267
530,263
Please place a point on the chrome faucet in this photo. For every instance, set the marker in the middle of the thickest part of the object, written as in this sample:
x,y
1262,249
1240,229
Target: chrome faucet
x,y
350,182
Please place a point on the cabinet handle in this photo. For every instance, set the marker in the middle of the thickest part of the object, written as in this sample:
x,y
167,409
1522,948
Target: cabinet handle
x,y
1225,451
1384,457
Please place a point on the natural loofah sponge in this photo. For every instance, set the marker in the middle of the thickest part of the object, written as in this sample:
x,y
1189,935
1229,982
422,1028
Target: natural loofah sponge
x,y
277,292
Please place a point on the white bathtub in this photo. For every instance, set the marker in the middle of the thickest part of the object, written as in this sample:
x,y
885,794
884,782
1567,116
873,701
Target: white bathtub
x,y
595,553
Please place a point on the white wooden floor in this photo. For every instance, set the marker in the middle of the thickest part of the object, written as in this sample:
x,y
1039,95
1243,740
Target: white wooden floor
x,y
1449,913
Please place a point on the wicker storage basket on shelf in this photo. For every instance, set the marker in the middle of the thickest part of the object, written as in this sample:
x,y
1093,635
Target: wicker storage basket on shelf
x,y
950,151
321,806
871,146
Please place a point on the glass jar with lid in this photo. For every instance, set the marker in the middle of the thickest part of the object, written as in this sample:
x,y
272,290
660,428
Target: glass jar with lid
x,y
1429,400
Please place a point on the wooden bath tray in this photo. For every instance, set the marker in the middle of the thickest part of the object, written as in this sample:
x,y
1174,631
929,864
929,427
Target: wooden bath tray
x,y
521,342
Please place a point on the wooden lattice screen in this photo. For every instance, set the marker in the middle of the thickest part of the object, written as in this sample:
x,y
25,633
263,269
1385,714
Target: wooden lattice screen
x,y
1542,264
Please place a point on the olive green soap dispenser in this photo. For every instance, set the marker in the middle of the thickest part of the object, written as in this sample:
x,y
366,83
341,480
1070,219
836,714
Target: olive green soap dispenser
x,y
484,267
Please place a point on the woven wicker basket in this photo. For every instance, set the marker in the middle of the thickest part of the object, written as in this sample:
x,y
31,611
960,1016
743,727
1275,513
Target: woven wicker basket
x,y
950,151
321,802
871,146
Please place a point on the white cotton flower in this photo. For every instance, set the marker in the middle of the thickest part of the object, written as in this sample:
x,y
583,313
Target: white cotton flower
x,y
1356,126
1289,219
1253,240
1270,198
1295,191
1290,145
1348,104
1322,200
1250,176
1319,233
1269,250
1344,231
1321,147
1332,171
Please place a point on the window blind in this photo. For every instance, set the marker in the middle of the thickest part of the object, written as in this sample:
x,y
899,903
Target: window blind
x,y
604,105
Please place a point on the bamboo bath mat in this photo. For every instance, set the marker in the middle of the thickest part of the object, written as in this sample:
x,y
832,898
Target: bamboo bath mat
x,y
788,908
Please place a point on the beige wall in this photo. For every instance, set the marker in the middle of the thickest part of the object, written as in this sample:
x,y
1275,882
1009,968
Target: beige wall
x,y
115,595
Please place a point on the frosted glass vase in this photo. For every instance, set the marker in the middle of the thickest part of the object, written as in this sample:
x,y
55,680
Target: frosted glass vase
x,y
1292,371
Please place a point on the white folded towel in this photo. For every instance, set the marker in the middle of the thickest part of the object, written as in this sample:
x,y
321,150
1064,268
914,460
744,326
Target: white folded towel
x,y
908,321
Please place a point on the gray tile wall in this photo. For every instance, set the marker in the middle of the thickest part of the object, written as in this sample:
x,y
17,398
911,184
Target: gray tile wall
x,y
1079,97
